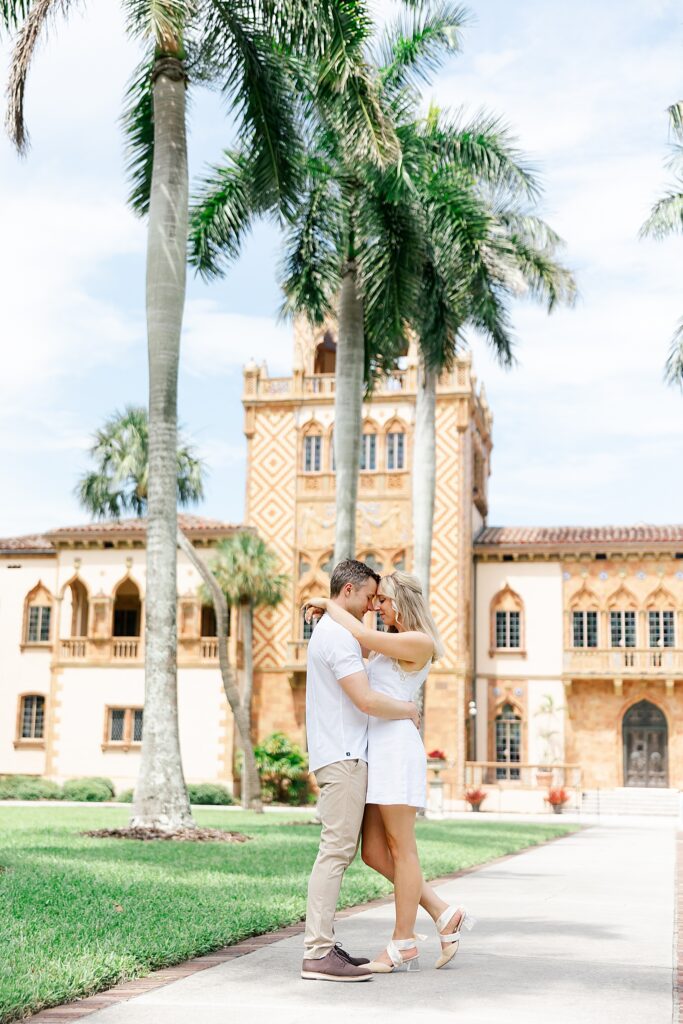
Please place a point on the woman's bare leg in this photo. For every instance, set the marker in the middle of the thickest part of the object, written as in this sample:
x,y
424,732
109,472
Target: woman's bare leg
x,y
376,854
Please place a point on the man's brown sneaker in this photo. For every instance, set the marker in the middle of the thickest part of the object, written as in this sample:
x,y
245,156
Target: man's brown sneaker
x,y
334,967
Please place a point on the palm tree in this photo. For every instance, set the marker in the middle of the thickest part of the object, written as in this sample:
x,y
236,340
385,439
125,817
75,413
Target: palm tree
x,y
243,49
483,247
350,247
246,571
666,218
119,484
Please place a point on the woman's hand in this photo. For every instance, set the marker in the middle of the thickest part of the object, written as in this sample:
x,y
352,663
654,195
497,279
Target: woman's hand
x,y
314,608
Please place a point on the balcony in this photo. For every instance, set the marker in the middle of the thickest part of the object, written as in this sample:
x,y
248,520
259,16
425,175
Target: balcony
x,y
257,386
601,663
296,656
130,650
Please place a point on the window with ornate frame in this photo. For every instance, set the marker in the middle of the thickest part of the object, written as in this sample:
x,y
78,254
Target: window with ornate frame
x,y
661,619
368,449
507,623
623,619
31,720
38,616
122,727
584,631
508,742
312,453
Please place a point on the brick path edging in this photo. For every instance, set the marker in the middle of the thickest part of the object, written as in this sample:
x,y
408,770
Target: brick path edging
x,y
126,990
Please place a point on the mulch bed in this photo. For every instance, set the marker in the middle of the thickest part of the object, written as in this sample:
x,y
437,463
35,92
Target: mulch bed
x,y
182,835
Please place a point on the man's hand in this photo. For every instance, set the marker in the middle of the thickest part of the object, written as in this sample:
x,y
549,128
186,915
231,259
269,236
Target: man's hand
x,y
313,612
415,717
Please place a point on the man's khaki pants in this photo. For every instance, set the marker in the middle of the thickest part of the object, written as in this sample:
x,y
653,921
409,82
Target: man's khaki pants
x,y
343,786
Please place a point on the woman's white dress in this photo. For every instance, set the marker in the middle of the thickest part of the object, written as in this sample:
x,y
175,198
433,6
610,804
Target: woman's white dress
x,y
397,762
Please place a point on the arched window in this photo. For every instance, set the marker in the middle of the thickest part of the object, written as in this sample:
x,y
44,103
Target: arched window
x,y
312,449
508,739
127,610
325,355
74,615
584,619
399,561
38,615
661,619
368,448
327,562
31,717
395,446
507,621
623,611
208,621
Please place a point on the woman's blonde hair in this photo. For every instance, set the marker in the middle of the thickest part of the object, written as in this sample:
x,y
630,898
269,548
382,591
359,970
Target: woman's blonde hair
x,y
407,600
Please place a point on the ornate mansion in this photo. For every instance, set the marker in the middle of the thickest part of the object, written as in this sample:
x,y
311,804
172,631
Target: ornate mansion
x,y
564,646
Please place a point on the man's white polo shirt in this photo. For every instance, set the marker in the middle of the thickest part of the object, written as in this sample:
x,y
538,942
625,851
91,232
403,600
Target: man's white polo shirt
x,y
336,730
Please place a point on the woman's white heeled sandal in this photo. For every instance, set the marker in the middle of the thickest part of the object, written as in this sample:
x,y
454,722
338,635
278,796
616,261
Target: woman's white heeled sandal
x,y
453,938
397,962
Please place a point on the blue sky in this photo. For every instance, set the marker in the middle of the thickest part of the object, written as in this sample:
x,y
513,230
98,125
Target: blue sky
x,y
584,429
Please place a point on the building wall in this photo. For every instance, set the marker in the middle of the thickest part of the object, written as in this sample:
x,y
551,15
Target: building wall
x,y
24,669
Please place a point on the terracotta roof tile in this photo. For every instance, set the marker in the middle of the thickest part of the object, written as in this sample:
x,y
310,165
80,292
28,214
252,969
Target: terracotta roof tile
x,y
35,543
579,536
194,525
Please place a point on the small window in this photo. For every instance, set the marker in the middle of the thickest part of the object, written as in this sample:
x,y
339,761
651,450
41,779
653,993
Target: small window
x,y
661,629
508,631
32,717
368,453
395,450
373,562
312,453
327,565
124,726
208,623
585,629
38,631
400,561
622,626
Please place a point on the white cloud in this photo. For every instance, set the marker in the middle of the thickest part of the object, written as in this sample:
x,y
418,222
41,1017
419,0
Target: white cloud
x,y
219,342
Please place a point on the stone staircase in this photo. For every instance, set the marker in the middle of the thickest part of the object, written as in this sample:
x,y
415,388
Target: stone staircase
x,y
662,802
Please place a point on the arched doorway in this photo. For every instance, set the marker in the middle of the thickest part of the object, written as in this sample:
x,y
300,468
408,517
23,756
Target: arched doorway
x,y
645,737
127,608
325,355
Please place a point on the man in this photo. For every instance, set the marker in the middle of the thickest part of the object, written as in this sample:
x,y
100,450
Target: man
x,y
338,702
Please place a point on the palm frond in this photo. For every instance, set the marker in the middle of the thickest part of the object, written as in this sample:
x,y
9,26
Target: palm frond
x,y
247,571
34,25
673,372
12,13
486,148
221,213
138,126
415,47
311,264
666,216
163,21
675,113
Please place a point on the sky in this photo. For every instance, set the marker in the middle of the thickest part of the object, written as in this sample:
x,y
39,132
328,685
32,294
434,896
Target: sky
x,y
585,430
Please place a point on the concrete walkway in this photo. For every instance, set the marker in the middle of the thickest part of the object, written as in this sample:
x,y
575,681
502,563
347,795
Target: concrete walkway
x,y
576,932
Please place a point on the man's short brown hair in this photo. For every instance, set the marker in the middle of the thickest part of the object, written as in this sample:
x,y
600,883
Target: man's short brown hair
x,y
351,571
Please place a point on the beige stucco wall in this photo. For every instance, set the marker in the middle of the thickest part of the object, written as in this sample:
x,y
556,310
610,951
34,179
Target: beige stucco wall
x,y
21,671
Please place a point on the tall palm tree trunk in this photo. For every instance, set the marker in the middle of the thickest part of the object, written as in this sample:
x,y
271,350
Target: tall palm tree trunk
x,y
248,648
348,411
424,474
251,789
160,795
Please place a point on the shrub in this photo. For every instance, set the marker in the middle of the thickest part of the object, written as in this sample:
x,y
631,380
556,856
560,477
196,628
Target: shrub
x,y
283,767
88,790
125,796
208,793
26,787
105,782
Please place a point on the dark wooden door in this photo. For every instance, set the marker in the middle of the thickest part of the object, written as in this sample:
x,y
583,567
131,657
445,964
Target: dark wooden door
x,y
645,746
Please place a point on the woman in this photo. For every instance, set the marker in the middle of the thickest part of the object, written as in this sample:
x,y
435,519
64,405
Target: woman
x,y
397,766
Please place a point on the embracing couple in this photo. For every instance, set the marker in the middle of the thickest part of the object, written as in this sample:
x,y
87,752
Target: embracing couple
x,y
369,762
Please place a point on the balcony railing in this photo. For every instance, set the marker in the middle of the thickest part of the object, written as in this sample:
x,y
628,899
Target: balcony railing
x,y
105,650
296,655
259,386
623,661
524,776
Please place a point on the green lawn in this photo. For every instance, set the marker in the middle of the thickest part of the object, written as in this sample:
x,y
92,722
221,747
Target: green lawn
x,y
78,915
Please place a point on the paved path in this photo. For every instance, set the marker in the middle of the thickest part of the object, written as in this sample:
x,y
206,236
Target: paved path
x,y
576,932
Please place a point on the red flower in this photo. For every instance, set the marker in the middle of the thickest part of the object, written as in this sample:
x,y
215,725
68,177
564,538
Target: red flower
x,y
438,755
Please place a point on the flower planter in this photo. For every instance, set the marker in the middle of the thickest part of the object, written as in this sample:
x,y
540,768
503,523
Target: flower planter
x,y
557,808
476,807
